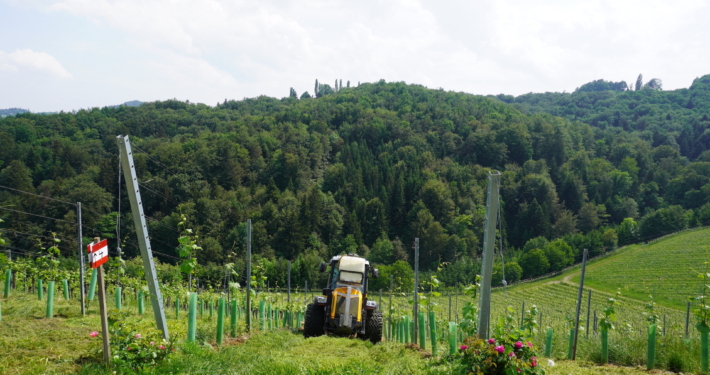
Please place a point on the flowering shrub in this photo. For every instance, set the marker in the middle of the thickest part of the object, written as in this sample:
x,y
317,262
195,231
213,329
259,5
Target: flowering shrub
x,y
502,357
131,350
507,353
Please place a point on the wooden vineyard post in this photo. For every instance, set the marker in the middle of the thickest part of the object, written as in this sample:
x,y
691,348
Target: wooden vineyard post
x,y
589,306
102,307
415,314
389,307
82,287
248,306
579,305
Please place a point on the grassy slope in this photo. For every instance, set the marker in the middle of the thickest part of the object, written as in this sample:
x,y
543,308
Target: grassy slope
x,y
667,268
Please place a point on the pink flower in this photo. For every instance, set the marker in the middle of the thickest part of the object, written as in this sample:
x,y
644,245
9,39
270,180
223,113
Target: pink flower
x,y
533,362
93,334
511,355
529,344
161,347
500,349
518,345
518,370
491,341
463,347
128,348
152,343
138,335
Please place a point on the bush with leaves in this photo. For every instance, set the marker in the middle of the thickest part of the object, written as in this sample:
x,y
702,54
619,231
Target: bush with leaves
x,y
508,352
133,350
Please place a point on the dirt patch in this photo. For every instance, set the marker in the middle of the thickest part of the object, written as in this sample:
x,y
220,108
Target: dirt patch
x,y
233,341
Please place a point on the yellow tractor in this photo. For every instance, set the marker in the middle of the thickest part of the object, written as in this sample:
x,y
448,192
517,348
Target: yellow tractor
x,y
344,308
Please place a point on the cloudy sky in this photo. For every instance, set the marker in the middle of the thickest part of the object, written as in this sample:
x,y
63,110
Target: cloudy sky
x,y
72,54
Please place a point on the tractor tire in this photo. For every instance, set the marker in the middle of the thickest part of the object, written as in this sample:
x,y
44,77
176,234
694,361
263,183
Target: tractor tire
x,y
314,321
373,328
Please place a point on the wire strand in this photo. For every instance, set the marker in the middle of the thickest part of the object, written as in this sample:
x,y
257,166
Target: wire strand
x,y
44,217
37,195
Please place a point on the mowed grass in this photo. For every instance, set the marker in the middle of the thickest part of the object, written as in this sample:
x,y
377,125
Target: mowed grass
x,y
33,344
667,268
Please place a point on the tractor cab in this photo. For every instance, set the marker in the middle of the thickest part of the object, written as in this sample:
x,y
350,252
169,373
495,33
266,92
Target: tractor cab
x,y
344,308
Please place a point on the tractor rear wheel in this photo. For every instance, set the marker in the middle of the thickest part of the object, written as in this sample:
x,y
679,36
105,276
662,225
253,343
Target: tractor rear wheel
x,y
314,321
373,328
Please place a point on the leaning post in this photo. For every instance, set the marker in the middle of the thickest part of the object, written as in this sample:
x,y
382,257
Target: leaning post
x,y
489,239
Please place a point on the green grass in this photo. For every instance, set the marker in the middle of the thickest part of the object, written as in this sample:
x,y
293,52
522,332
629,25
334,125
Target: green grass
x,y
667,268
32,344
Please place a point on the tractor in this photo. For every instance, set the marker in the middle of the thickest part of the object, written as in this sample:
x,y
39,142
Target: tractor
x,y
344,309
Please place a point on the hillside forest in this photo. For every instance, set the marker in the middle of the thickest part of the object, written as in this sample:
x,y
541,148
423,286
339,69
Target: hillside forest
x,y
365,170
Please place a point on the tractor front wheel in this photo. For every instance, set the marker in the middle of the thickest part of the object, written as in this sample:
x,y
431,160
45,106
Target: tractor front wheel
x,y
314,321
373,328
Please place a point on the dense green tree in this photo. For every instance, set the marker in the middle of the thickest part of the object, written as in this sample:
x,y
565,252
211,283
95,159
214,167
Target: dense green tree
x,y
534,263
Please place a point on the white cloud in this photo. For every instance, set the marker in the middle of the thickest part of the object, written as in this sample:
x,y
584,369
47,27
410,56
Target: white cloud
x,y
27,58
206,50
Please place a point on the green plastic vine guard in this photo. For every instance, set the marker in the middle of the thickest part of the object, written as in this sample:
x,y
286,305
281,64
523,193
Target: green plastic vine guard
x,y
432,333
233,319
269,317
92,284
211,309
202,309
65,285
605,345
651,358
548,343
141,306
0,311
220,321
50,299
118,298
277,313
192,318
262,315
452,338
422,330
8,279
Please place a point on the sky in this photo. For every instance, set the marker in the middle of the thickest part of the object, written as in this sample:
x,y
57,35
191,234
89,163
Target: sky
x,y
72,54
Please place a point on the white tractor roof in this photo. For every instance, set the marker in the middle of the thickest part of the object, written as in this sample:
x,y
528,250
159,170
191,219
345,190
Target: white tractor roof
x,y
352,264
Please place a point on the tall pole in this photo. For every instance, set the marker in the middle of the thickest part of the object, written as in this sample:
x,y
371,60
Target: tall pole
x,y
589,308
81,259
416,289
489,242
248,275
134,195
579,304
104,312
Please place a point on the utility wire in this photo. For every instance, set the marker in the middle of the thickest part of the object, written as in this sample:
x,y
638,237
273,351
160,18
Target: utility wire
x,y
33,235
44,217
37,195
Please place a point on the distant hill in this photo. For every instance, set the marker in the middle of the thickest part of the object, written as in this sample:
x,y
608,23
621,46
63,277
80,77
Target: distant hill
x,y
11,111
15,111
132,103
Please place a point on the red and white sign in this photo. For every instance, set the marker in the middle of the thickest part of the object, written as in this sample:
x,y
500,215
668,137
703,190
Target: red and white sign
x,y
98,253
